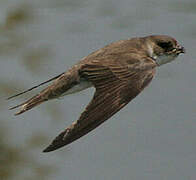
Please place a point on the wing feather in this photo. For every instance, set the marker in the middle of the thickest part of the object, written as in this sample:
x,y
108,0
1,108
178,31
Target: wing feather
x,y
115,87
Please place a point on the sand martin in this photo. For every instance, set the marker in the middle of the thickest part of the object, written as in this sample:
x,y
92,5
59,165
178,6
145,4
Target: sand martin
x,y
118,72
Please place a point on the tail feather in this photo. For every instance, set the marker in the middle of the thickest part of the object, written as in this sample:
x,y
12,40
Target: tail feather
x,y
34,87
63,83
34,101
19,105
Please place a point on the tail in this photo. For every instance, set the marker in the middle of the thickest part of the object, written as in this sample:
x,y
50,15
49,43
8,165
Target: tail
x,y
34,101
29,104
63,82
34,87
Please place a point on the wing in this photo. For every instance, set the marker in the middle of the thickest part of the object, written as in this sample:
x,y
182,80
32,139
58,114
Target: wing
x,y
116,85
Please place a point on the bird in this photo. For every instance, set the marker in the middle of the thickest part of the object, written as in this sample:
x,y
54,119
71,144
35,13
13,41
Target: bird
x,y
118,72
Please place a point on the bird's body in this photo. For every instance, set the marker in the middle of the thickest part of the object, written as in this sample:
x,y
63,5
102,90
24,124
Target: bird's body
x,y
119,72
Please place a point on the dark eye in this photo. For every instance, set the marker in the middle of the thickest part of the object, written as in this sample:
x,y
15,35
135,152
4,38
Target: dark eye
x,y
167,46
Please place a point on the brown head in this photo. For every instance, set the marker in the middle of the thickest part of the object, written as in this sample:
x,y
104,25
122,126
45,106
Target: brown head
x,y
163,49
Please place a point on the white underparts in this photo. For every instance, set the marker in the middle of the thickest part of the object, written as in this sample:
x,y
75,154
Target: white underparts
x,y
163,59
78,87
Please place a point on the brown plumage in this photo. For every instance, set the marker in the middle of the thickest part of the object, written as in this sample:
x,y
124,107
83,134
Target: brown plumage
x,y
119,72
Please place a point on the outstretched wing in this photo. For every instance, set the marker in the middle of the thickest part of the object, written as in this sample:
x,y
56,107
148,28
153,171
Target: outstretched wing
x,y
116,85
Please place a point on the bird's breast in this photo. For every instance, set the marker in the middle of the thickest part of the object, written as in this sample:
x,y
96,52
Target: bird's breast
x,y
82,85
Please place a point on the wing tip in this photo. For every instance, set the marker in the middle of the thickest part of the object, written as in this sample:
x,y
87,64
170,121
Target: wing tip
x,y
57,143
52,147
47,149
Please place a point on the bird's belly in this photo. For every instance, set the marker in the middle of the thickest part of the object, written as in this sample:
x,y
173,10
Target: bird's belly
x,y
78,87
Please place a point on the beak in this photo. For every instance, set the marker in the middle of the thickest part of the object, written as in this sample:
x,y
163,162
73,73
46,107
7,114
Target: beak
x,y
180,49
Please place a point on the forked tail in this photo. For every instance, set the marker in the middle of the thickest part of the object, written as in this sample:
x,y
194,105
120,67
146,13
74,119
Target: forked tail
x,y
29,104
34,87
63,83
34,101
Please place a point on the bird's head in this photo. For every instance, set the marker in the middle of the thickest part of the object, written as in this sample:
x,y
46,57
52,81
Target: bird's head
x,y
163,49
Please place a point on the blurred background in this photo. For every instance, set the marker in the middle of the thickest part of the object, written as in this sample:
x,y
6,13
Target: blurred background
x,y
152,138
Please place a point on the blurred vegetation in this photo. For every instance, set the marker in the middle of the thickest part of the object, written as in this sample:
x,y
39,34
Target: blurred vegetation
x,y
10,42
18,163
18,15
34,59
15,162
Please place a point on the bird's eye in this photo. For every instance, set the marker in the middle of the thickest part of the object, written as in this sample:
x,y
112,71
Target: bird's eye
x,y
167,46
